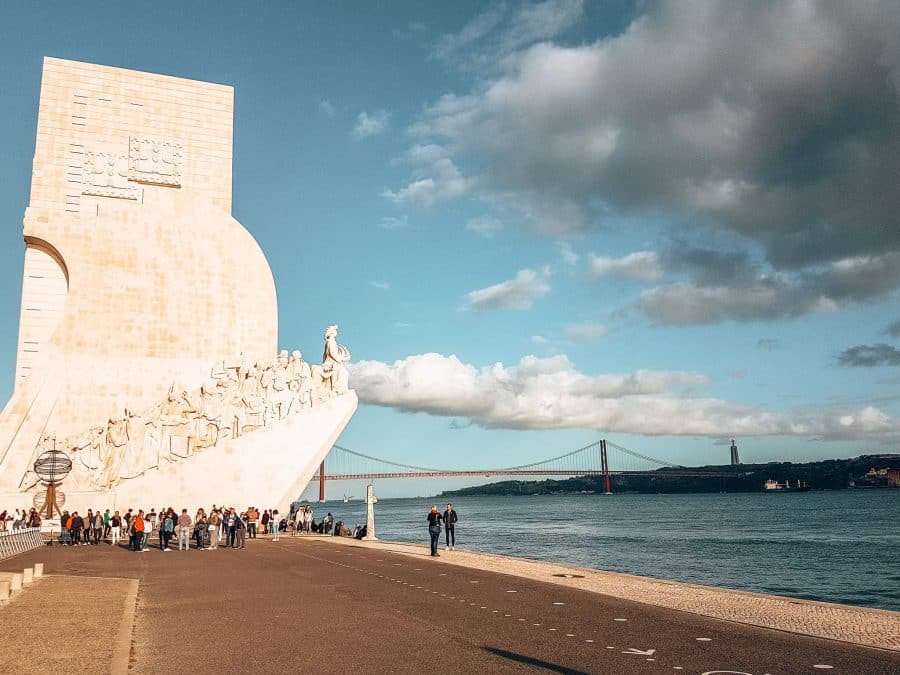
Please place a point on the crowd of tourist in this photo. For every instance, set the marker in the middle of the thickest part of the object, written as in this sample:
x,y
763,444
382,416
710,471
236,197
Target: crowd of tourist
x,y
19,519
220,527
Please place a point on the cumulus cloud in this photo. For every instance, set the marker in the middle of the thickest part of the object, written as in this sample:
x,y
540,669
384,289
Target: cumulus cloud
x,y
641,265
551,393
778,121
484,226
585,332
441,181
371,124
776,295
517,293
868,356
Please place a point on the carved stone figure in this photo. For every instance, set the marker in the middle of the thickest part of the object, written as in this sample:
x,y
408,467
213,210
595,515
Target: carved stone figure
x,y
332,378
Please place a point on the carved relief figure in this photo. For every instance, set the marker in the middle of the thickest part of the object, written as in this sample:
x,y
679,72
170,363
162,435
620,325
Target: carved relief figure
x,y
234,402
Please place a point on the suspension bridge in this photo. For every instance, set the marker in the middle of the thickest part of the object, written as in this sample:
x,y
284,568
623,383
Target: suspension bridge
x,y
600,458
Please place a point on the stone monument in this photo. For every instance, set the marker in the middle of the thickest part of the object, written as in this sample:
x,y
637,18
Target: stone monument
x,y
147,335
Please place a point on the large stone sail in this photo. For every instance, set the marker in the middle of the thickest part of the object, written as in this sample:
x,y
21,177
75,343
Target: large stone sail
x,y
139,283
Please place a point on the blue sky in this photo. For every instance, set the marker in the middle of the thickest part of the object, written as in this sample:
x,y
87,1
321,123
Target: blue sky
x,y
540,224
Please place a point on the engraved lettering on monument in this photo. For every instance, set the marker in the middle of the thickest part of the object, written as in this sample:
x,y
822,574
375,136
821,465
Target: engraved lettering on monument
x,y
154,161
105,174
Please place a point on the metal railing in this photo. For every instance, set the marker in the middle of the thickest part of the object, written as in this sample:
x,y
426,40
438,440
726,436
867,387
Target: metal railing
x,y
14,542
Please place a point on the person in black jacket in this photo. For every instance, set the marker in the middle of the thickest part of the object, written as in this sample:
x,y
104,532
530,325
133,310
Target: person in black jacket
x,y
434,529
450,519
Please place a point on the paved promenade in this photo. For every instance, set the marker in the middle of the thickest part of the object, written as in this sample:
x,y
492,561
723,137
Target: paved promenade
x,y
323,606
858,625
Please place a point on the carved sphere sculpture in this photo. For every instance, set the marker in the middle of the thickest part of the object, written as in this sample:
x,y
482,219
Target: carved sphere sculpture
x,y
52,466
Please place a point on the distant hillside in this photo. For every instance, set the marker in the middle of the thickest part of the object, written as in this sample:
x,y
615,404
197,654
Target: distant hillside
x,y
829,474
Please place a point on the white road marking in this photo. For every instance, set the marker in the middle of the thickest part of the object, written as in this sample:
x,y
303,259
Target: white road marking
x,y
559,603
620,619
551,629
535,624
677,668
512,591
823,666
640,652
588,640
610,647
570,634
507,615
704,639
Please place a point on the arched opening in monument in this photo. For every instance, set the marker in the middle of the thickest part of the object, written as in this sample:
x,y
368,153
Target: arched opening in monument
x,y
45,285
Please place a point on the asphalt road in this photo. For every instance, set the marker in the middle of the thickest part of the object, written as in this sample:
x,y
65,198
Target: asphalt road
x,y
310,606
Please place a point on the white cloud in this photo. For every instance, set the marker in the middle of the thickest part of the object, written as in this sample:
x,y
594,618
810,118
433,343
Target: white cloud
x,y
569,256
774,295
641,265
326,107
550,393
484,226
778,121
381,285
539,340
443,181
496,32
517,293
585,332
394,223
371,124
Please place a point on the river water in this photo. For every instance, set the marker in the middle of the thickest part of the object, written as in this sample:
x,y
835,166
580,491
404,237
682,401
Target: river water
x,y
839,546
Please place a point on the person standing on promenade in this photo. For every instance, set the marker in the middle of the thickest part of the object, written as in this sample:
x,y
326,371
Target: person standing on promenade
x,y
77,526
450,518
63,529
266,516
213,527
98,527
275,524
230,525
167,529
252,519
434,529
240,530
115,528
184,531
88,527
107,528
137,531
149,524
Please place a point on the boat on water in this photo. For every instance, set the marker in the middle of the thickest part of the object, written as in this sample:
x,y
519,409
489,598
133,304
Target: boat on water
x,y
774,486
